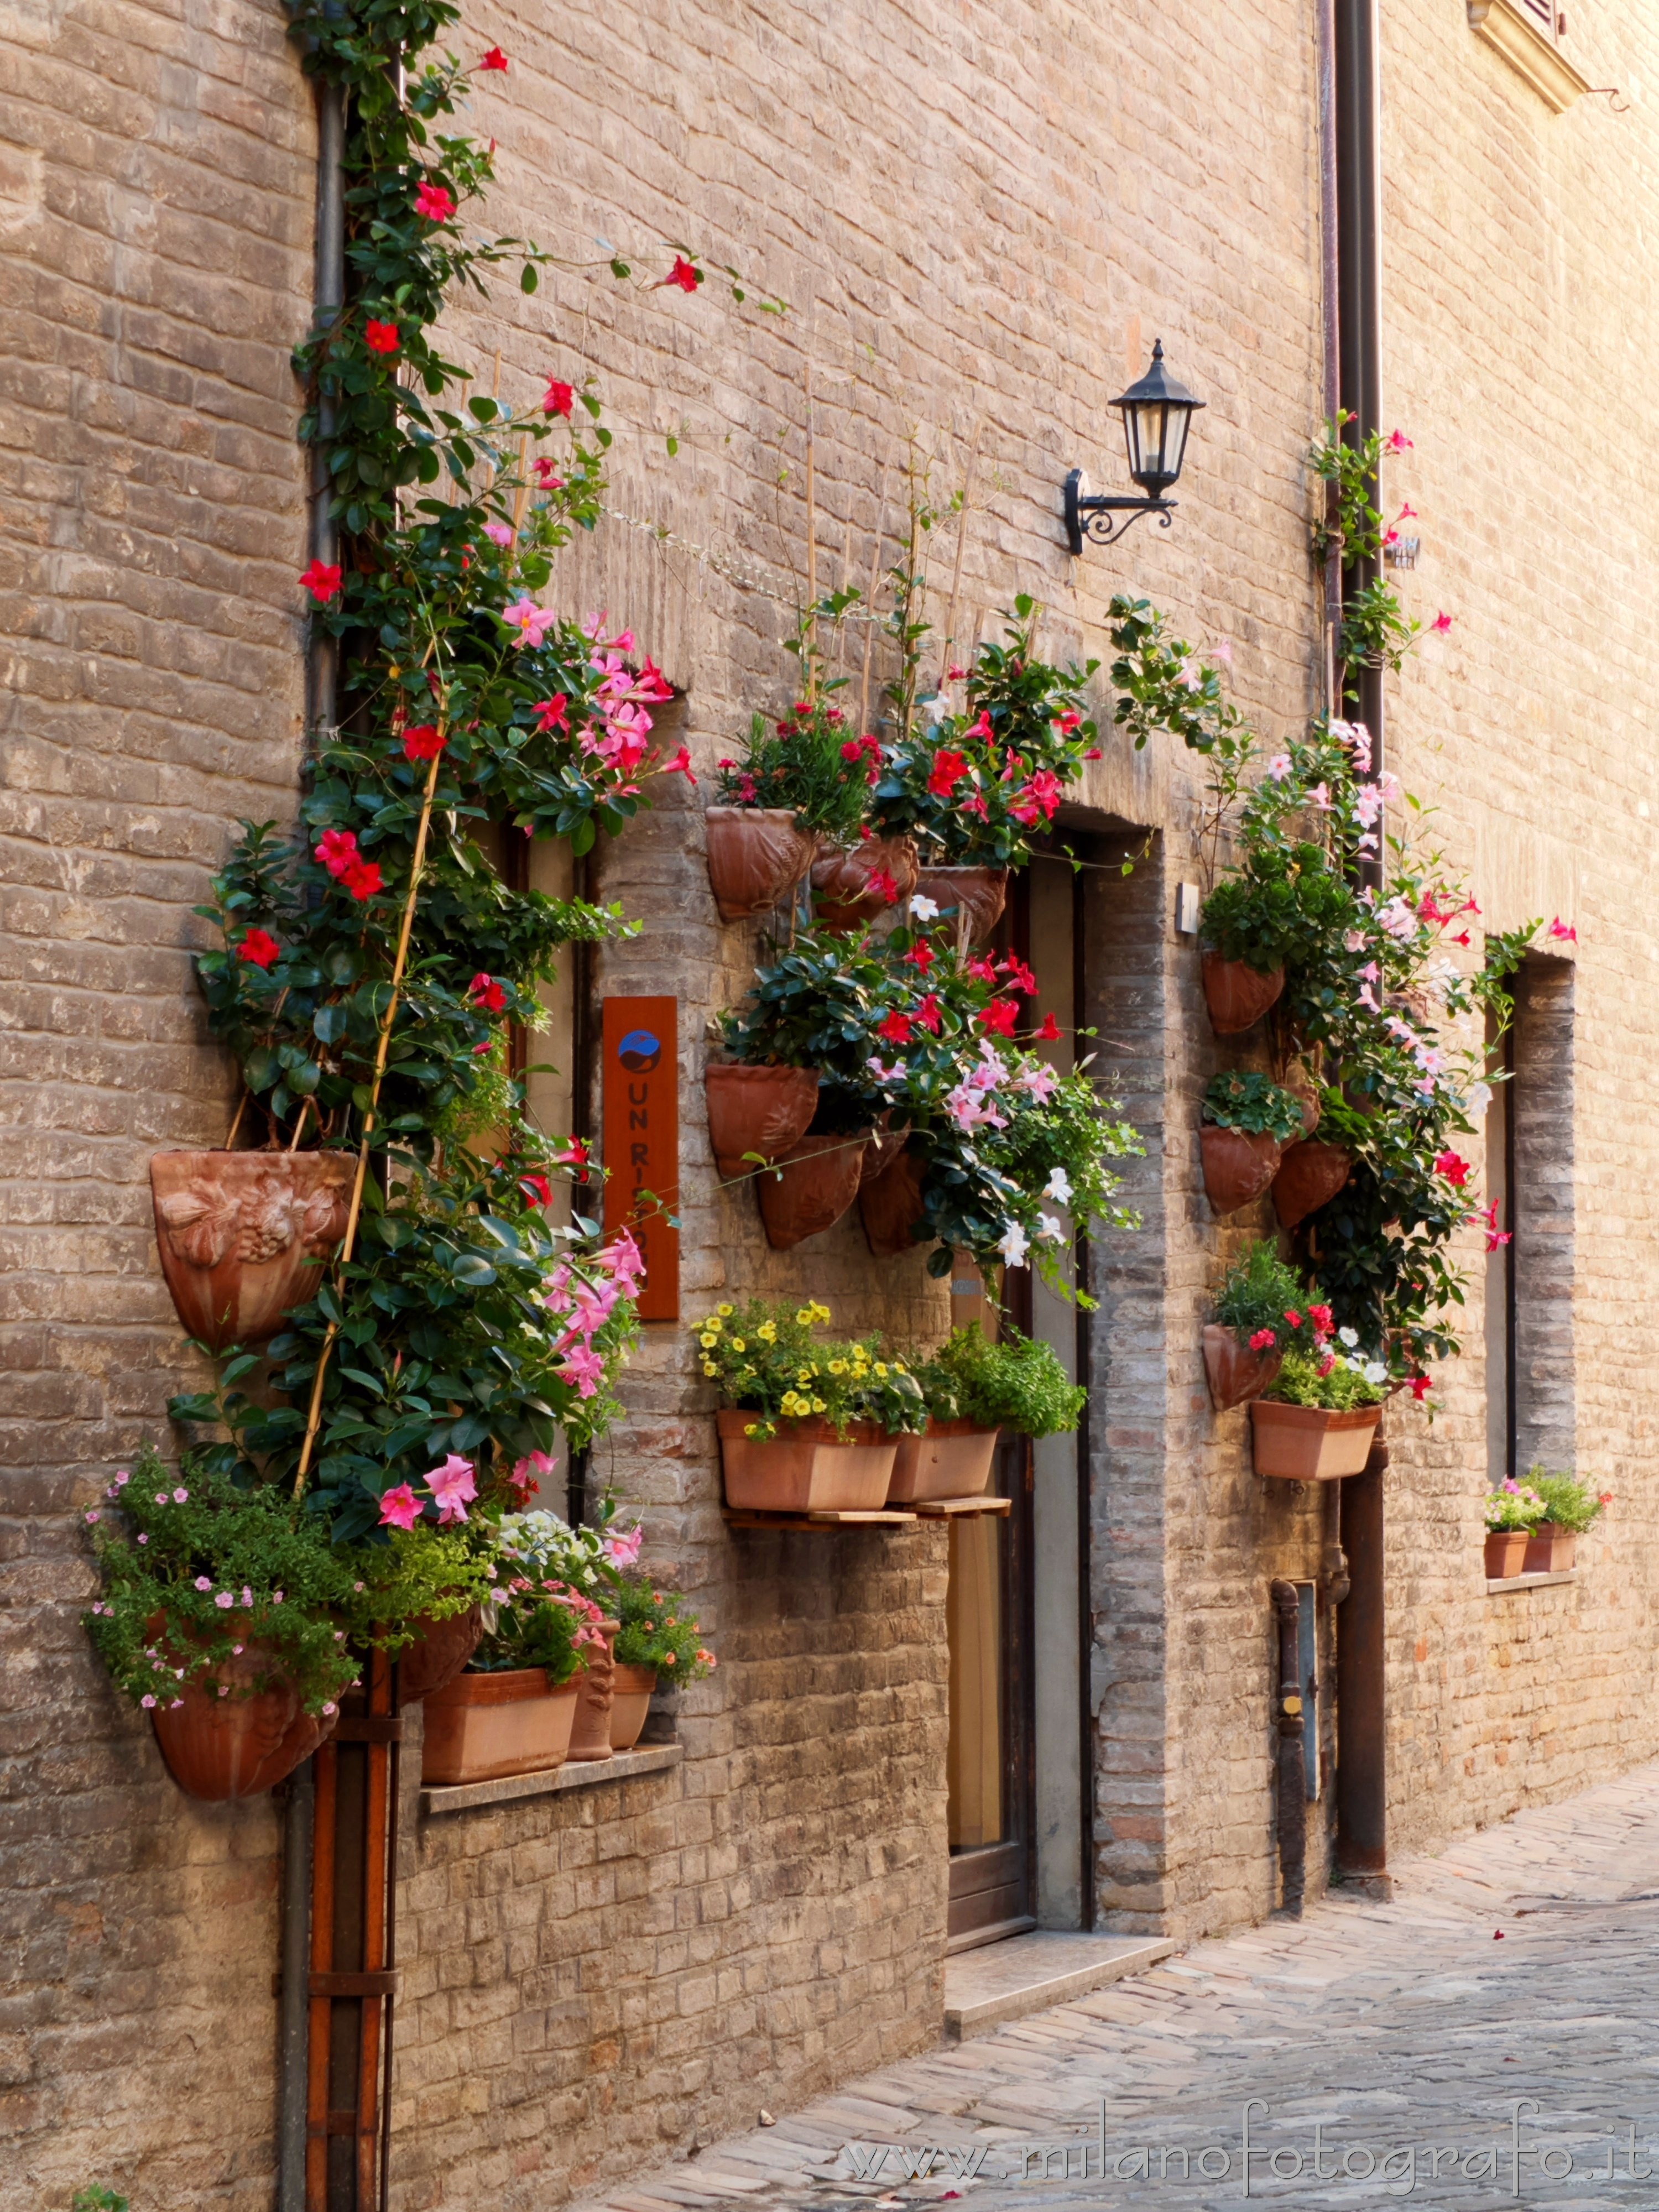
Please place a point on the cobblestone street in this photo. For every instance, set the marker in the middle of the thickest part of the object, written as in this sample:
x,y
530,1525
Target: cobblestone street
x,y
1407,2033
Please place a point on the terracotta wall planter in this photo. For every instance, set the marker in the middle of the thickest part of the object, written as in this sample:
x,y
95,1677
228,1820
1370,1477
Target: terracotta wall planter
x,y
241,1235
1235,1373
1305,1443
631,1692
756,1110
1238,1168
1550,1549
1506,1553
978,895
806,1467
483,1727
1309,1176
437,1654
890,1206
842,896
951,1459
222,1747
590,1738
757,857
815,1182
883,1148
1237,995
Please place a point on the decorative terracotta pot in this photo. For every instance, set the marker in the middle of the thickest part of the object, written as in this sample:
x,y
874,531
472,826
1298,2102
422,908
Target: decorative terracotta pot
x,y
757,857
590,1736
218,1748
631,1692
483,1727
813,1185
806,1467
953,1458
1235,1373
842,895
1506,1553
1550,1549
437,1654
1238,995
242,1234
890,1205
1309,1176
883,1148
1238,1168
977,895
1302,1088
1306,1444
756,1110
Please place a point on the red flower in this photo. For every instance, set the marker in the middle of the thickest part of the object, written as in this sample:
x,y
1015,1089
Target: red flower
x,y
258,948
1020,977
1456,1171
1560,929
1262,1339
558,398
547,475
998,1018
1322,1319
422,742
434,203
337,851
982,970
362,878
381,338
1293,1316
881,880
553,714
948,768
682,274
537,1187
928,1014
680,765
1440,625
897,1028
1421,1386
920,956
575,1155
1050,1031
495,59
322,580
485,991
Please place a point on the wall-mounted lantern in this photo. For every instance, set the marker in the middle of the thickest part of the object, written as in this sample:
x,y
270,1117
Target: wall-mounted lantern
x,y
1158,413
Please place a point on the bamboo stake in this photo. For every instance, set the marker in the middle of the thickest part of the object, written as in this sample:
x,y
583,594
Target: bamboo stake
x,y
962,540
869,599
241,1109
300,1123
810,668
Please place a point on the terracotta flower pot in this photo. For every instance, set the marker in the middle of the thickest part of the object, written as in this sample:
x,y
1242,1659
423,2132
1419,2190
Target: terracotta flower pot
x,y
883,1148
1506,1553
977,895
756,1110
241,1235
632,1691
483,1727
842,895
953,1458
806,1467
1235,1373
437,1654
1309,1176
1238,1168
1306,1444
218,1748
814,1184
890,1205
1238,995
1550,1548
757,856
595,1686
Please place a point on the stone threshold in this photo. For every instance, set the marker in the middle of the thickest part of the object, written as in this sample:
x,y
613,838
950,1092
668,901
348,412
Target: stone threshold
x,y
1005,1981
1544,1580
575,1774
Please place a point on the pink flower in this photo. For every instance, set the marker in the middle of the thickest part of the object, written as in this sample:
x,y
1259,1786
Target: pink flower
x,y
203,1583
94,1515
498,533
559,396
452,1485
180,1495
434,203
337,851
1455,1170
399,1508
1440,625
322,580
1495,1236
584,1368
680,765
1038,1082
1262,1339
1396,442
492,59
1279,767
1560,929
525,1473
547,475
224,1600
147,1700
532,622
682,274
624,1551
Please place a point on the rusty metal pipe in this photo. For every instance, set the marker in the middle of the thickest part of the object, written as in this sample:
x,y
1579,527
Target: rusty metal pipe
x,y
1292,1806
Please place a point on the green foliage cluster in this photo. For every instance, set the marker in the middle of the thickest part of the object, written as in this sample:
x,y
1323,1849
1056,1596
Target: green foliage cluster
x,y
1339,1385
659,1629
1568,1503
1261,1293
1249,1100
538,1622
1015,1383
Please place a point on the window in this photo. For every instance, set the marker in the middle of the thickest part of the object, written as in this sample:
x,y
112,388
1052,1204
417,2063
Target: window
x,y
1528,35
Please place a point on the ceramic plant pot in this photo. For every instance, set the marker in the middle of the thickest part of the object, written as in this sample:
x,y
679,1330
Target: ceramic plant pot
x,y
242,1234
482,1728
1237,995
806,1467
1238,1168
1235,1373
953,1458
590,1736
222,1747
843,896
1305,1443
1309,1176
438,1654
890,1205
812,1186
1550,1549
883,1148
631,1692
756,1110
1506,1553
976,898
757,856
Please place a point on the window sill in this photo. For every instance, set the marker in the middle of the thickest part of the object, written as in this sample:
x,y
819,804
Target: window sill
x,y
1532,1582
581,1774
1502,25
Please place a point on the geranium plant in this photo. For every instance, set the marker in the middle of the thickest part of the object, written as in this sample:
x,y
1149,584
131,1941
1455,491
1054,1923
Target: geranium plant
x,y
1339,1382
767,1361
1265,1304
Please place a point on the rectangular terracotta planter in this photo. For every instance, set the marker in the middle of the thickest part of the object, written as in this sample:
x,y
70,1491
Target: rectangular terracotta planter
x,y
1550,1549
953,1458
1506,1553
480,1728
806,1467
1305,1443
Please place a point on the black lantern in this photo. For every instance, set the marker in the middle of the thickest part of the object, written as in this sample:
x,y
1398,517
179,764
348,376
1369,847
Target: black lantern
x,y
1158,413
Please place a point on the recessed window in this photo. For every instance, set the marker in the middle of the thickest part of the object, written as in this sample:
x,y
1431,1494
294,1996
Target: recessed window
x,y
1531,36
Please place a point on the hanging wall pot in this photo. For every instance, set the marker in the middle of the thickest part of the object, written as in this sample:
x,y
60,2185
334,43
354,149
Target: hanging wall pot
x,y
1237,1167
758,1108
242,1234
756,858
843,895
977,897
1237,994
891,1205
1234,1372
1309,1176
809,1188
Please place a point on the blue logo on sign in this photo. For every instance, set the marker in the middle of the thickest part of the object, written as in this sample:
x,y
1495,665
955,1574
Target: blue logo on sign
x,y
640,1051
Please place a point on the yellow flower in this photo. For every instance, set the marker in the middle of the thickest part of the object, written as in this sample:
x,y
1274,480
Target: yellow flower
x,y
767,1333
899,1367
807,1316
709,1368
708,1341
838,1367
725,1312
881,1369
737,1345
749,1428
818,1405
804,1374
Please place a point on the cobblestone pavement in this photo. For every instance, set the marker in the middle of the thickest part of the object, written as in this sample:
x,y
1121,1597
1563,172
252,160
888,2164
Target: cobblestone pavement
x,y
1397,2030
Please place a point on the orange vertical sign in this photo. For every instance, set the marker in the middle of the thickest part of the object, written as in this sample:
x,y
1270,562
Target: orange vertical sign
x,y
640,1131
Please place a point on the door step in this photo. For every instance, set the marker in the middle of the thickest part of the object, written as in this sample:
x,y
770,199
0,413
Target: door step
x,y
986,1987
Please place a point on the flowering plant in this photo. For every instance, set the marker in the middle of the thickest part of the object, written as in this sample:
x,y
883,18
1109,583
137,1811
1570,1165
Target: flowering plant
x,y
658,1630
1512,1505
1251,1102
1015,1384
767,1361
589,1559
538,1621
1569,1503
1264,1303
1340,1383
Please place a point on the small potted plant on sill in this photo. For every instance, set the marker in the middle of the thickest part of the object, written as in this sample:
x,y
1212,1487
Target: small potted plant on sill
x,y
1571,1507
1317,1419
1248,1119
1261,1312
658,1641
792,792
809,1426
512,1712
1513,1510
974,1389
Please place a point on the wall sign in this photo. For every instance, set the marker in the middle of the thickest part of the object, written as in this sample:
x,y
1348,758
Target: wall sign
x,y
640,1132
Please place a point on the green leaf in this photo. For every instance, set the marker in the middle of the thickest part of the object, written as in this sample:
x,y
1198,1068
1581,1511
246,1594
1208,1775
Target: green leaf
x,y
528,279
471,1268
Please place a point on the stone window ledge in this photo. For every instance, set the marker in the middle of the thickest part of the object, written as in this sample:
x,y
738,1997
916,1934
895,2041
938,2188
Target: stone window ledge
x,y
1504,26
580,1774
1497,1588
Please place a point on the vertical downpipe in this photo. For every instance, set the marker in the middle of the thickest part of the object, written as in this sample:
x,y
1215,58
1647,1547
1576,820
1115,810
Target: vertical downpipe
x,y
1293,1821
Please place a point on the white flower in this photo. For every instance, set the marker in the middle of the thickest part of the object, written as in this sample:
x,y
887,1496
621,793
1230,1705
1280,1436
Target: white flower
x,y
1058,1187
923,907
1049,1228
1348,1336
934,709
1279,767
1479,1099
1014,1245
1375,1371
